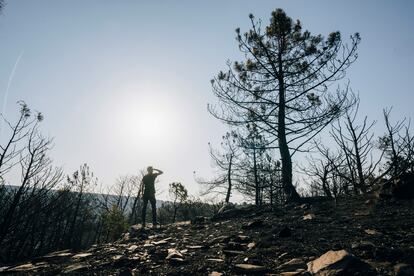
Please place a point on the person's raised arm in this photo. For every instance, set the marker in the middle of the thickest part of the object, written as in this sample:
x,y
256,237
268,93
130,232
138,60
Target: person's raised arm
x,y
158,172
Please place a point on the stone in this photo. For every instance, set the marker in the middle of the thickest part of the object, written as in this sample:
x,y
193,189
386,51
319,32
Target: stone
x,y
220,239
242,238
293,264
372,232
133,248
339,263
58,254
195,247
162,242
23,267
214,260
234,246
75,268
81,255
308,217
177,261
403,270
173,253
251,245
249,268
293,273
215,273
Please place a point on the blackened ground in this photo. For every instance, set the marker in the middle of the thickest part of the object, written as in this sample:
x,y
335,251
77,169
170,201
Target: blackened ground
x,y
274,240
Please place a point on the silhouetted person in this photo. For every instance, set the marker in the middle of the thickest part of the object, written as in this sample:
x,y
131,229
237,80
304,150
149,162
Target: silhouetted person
x,y
149,194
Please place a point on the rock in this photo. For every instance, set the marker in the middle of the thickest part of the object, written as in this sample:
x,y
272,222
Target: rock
x,y
301,272
215,273
292,265
23,267
81,255
195,247
372,232
403,270
177,261
308,217
162,242
234,246
214,260
58,254
339,263
133,248
135,231
249,268
220,239
173,253
242,238
75,268
251,245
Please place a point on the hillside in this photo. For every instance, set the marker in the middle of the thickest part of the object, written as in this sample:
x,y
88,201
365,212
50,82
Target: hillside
x,y
377,234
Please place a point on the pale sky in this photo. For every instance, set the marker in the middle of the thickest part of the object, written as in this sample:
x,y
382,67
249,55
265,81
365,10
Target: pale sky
x,y
125,84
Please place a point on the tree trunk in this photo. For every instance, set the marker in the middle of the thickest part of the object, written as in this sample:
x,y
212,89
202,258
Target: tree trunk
x,y
289,189
227,200
256,180
361,184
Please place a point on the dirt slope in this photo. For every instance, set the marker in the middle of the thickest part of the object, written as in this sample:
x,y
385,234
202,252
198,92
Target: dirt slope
x,y
279,241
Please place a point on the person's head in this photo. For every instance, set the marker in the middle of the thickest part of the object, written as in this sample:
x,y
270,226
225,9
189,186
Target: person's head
x,y
149,169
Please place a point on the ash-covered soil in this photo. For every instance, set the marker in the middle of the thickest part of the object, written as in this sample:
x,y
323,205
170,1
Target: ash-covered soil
x,y
365,237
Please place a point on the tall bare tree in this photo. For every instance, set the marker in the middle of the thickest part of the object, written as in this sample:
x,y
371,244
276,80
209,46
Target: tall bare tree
x,y
283,85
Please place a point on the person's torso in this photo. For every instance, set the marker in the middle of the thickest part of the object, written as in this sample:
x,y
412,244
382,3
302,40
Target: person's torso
x,y
149,187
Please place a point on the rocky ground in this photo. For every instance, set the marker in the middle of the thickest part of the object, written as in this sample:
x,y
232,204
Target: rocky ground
x,y
357,236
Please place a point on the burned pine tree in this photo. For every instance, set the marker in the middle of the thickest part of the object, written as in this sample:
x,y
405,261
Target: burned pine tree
x,y
283,85
225,162
397,145
356,144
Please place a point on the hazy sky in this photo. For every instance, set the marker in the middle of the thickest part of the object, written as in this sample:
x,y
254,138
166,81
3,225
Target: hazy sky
x,y
125,84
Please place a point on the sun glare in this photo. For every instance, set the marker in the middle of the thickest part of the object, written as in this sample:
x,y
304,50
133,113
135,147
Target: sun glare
x,y
148,122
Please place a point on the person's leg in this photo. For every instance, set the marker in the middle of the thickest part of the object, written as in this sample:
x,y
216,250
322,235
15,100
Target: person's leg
x,y
144,210
154,210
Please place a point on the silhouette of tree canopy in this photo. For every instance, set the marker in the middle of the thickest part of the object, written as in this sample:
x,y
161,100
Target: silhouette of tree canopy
x,y
283,85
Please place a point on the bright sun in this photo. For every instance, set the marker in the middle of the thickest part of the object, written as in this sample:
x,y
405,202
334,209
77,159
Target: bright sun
x,y
148,122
